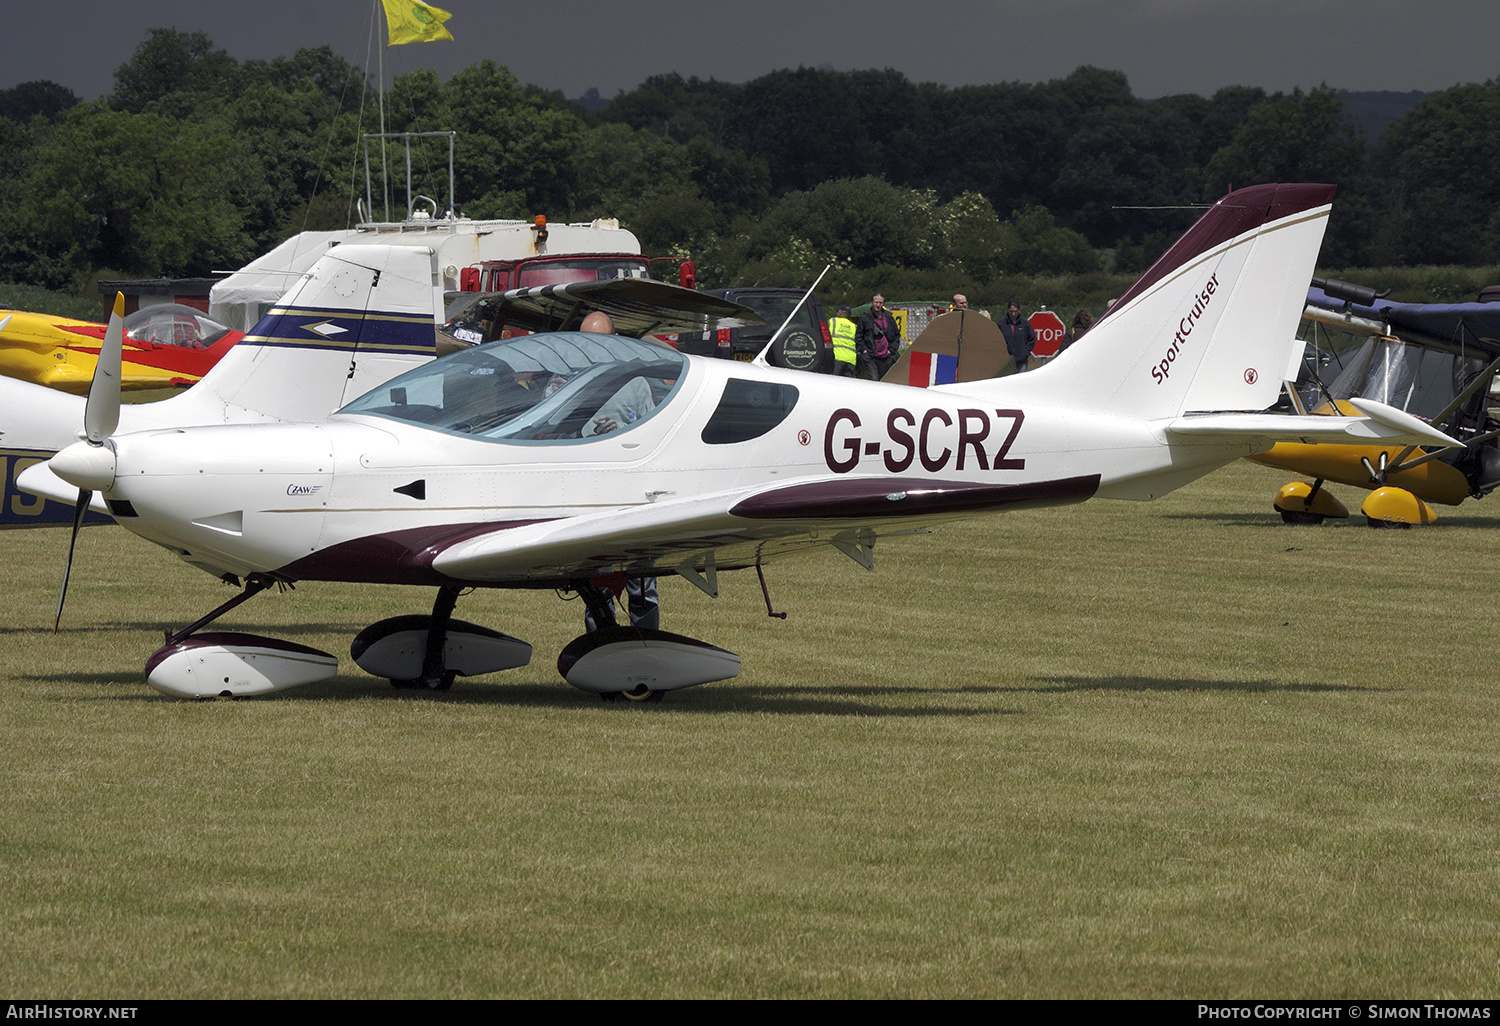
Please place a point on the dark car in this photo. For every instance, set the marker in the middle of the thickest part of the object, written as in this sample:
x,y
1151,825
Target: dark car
x,y
804,345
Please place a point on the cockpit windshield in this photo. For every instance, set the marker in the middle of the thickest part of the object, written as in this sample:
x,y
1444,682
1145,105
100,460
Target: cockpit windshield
x,y
172,324
1420,380
552,387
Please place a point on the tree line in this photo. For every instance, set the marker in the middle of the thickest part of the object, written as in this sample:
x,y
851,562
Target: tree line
x,y
198,162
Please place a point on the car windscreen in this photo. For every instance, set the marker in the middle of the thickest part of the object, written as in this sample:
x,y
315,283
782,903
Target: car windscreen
x,y
774,310
558,272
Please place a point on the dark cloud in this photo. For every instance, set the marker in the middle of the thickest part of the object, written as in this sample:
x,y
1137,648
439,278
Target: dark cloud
x,y
1164,46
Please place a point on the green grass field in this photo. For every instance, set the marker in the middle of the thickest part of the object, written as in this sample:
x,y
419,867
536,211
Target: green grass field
x,y
1171,749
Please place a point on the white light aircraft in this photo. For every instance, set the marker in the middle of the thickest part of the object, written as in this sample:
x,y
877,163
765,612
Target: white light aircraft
x,y
557,459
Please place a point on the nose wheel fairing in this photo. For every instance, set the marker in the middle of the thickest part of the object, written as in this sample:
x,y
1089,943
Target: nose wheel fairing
x,y
228,665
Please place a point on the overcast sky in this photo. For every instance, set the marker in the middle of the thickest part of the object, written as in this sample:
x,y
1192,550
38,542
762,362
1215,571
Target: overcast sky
x,y
1164,46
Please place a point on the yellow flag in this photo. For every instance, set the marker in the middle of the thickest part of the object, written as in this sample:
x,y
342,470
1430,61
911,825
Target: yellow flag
x,y
411,21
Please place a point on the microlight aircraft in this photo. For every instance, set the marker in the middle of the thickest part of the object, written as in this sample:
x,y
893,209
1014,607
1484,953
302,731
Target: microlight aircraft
x,y
165,345
1433,360
634,460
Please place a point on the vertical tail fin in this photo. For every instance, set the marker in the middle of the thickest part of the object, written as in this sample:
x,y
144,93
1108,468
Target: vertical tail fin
x,y
360,316
1212,324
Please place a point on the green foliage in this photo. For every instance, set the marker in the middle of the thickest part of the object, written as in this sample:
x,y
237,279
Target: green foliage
x,y
1305,137
36,99
145,192
1422,284
198,161
1439,161
173,72
685,110
35,299
509,138
851,222
1040,245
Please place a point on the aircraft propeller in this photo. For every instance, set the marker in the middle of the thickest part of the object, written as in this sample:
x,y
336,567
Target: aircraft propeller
x,y
101,415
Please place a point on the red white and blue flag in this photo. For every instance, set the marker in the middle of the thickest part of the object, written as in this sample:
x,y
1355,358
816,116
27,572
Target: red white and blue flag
x,y
932,369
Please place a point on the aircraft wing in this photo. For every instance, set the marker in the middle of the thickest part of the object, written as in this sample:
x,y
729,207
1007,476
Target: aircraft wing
x,y
638,306
1381,425
735,529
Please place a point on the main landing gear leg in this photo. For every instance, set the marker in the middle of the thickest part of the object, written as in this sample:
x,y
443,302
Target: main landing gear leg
x,y
600,615
434,677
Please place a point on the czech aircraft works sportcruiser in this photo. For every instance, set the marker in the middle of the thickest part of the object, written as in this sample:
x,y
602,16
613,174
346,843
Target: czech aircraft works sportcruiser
x,y
557,459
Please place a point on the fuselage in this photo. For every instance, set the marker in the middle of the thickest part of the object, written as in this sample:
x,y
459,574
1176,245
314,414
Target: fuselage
x,y
372,492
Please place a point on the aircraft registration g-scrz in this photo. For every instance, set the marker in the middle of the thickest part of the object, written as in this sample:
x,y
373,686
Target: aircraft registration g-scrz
x,y
564,458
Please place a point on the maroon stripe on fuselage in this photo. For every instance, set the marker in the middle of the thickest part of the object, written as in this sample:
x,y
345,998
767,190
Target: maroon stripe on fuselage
x,y
1241,211
396,557
879,498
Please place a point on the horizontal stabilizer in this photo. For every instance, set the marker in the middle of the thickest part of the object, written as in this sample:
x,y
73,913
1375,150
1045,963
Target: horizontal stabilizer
x,y
1381,425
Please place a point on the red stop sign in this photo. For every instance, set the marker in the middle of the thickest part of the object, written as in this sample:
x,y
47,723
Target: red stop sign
x,y
1049,332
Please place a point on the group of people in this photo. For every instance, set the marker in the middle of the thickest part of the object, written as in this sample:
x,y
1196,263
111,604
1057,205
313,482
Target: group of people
x,y
869,346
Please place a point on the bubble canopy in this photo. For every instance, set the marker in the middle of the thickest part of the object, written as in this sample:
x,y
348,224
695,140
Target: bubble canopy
x,y
557,387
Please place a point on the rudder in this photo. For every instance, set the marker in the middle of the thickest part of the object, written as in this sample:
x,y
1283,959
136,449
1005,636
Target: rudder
x,y
1212,324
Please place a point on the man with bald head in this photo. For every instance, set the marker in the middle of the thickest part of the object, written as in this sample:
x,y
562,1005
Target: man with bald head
x,y
598,322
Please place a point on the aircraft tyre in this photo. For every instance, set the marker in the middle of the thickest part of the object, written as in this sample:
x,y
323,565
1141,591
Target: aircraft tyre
x,y
1301,503
1392,524
640,693
442,683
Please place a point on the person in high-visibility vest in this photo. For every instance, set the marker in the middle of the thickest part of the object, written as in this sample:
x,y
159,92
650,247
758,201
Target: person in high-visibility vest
x,y
842,327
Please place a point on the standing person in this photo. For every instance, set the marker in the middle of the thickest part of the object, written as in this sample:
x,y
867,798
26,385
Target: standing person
x,y
1020,336
642,604
843,329
1082,322
960,301
878,340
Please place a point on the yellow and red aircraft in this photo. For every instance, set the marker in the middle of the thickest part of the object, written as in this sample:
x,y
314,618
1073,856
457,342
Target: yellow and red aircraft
x,y
1435,361
165,345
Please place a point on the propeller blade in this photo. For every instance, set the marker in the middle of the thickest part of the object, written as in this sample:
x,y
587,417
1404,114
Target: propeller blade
x,y
102,414
85,496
